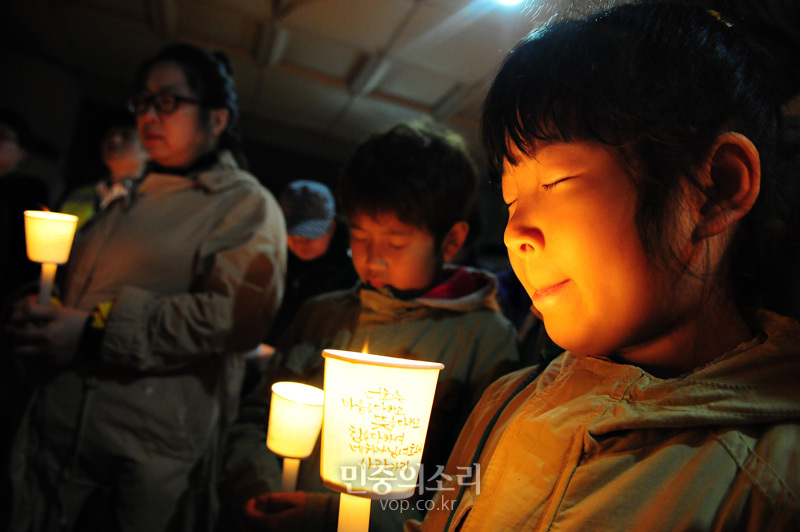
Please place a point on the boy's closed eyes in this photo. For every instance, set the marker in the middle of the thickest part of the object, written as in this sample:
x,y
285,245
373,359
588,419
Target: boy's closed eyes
x,y
388,252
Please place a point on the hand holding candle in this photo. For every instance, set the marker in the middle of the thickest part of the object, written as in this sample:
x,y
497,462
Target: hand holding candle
x,y
48,236
50,332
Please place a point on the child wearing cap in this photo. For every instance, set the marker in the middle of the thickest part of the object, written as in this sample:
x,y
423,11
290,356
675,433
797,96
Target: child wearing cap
x,y
406,194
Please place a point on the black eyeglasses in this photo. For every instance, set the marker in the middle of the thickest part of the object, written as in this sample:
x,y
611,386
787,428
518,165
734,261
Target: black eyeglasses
x,y
164,102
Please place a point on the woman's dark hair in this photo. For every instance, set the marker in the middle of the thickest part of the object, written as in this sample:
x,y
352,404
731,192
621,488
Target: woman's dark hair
x,y
659,83
420,172
210,76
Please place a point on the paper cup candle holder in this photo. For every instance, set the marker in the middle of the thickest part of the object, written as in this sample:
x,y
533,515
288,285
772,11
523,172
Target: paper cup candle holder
x,y
295,418
48,238
377,410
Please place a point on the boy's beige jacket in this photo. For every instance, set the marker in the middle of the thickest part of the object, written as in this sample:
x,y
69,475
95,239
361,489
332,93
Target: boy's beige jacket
x,y
467,334
594,445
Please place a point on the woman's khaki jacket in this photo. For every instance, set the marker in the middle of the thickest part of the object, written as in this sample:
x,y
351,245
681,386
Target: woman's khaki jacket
x,y
194,268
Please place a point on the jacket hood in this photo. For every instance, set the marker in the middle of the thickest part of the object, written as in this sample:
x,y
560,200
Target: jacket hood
x,y
481,295
220,176
755,383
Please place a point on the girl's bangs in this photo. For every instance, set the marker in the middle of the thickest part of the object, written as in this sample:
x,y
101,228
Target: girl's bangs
x,y
553,92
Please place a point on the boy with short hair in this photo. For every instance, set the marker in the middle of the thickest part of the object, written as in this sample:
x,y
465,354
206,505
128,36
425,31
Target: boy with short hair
x,y
406,194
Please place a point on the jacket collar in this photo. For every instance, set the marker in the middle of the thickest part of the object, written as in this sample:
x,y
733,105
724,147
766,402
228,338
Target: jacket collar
x,y
754,383
213,172
482,295
203,163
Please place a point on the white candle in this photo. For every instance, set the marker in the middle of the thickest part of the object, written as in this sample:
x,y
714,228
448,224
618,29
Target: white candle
x,y
353,513
46,282
289,478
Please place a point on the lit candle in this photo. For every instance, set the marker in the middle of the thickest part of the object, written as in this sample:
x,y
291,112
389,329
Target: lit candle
x,y
295,418
353,513
48,238
376,417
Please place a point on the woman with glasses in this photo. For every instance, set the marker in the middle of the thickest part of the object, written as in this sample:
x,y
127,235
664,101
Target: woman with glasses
x,y
165,290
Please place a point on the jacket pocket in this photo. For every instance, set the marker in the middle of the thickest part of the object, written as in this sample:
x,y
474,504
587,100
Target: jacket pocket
x,y
169,415
197,414
462,512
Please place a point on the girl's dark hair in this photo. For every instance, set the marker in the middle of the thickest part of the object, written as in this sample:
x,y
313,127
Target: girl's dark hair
x,y
658,82
210,76
420,172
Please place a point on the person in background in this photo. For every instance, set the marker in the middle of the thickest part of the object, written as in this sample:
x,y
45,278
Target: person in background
x,y
319,261
406,194
124,157
166,288
636,149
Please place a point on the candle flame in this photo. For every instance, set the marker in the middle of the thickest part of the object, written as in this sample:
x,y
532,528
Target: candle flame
x,y
365,349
